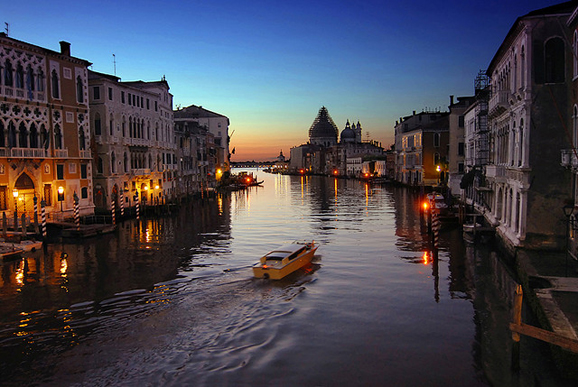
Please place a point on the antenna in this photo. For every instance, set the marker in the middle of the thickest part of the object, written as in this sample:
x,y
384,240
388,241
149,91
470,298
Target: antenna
x,y
7,28
114,63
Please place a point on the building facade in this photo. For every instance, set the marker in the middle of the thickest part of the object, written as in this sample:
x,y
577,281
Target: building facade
x,y
528,112
134,144
44,130
218,126
456,150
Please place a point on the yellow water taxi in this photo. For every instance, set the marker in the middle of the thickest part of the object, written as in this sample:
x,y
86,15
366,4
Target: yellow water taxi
x,y
284,260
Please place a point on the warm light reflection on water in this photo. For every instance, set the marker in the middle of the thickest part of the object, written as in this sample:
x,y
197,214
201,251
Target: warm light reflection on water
x,y
171,300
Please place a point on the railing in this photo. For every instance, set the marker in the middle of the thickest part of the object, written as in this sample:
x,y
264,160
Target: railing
x,y
85,154
499,101
494,171
141,171
61,153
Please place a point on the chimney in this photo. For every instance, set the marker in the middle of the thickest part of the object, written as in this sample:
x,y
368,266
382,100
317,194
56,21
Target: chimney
x,y
451,99
414,112
65,48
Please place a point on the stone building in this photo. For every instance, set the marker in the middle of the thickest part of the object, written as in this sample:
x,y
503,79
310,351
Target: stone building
x,y
456,150
134,146
217,125
421,146
528,112
44,129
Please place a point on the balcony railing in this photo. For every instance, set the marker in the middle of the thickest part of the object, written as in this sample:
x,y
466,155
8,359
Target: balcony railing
x,y
499,102
495,171
85,154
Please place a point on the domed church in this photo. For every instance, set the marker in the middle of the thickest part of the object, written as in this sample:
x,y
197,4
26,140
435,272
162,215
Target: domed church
x,y
327,151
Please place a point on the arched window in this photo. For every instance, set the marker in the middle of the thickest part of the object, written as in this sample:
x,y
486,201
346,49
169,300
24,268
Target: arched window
x,y
130,127
8,76
82,139
554,61
55,86
436,139
99,167
79,90
97,127
125,162
2,135
33,136
40,81
30,83
113,162
23,136
123,126
111,126
522,153
523,68
19,76
44,137
57,137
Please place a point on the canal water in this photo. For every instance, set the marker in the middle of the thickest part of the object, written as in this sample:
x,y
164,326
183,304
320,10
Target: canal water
x,y
171,301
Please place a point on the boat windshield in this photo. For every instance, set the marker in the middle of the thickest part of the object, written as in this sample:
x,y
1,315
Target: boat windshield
x,y
276,255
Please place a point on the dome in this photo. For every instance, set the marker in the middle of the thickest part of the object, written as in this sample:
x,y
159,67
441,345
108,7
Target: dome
x,y
347,135
323,130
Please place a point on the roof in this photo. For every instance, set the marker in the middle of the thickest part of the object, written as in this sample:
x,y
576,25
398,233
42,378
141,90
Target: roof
x,y
323,125
557,9
194,111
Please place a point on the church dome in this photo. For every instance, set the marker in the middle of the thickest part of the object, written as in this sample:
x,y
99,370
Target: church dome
x,y
347,135
323,131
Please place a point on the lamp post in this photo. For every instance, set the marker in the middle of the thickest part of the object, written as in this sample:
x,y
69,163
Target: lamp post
x,y
61,196
439,169
568,211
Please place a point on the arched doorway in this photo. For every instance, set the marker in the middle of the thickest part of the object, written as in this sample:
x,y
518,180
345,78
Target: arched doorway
x,y
24,187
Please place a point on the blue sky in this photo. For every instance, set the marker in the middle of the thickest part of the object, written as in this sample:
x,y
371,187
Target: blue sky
x,y
269,66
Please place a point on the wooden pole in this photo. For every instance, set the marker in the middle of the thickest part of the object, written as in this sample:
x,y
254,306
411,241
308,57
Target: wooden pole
x,y
517,320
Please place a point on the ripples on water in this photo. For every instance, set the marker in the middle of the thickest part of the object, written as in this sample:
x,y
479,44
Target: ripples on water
x,y
172,301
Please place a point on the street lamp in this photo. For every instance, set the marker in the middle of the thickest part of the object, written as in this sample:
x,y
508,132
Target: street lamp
x,y
61,196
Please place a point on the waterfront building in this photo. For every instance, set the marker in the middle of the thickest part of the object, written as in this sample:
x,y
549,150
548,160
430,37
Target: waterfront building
x,y
421,146
132,126
477,147
456,150
528,112
218,126
44,129
196,155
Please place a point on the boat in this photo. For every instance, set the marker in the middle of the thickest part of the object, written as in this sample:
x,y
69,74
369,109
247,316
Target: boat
x,y
8,251
284,260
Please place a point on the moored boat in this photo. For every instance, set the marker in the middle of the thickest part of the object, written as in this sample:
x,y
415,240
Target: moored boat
x,y
284,260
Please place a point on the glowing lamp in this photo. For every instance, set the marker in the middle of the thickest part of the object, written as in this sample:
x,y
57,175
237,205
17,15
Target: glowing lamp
x,y
15,193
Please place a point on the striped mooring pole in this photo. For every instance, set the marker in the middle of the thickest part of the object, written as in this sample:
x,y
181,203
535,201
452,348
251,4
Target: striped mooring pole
x,y
137,206
76,211
121,204
435,228
113,210
43,216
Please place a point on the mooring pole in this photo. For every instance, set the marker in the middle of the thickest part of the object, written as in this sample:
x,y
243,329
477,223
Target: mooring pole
x,y
518,321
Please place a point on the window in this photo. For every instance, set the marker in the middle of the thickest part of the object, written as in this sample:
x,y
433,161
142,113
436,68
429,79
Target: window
x,y
72,168
84,193
461,121
83,171
99,167
554,61
59,171
110,93
156,106
3,201
19,76
55,86
48,194
460,167
57,137
97,128
148,104
8,80
96,92
461,148
111,126
122,96
436,140
129,98
79,90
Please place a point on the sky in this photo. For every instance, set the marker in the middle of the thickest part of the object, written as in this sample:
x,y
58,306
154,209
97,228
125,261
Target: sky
x,y
270,66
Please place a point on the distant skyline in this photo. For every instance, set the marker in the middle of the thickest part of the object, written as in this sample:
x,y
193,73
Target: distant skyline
x,y
271,66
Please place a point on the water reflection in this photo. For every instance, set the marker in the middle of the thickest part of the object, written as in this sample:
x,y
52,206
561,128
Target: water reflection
x,y
171,301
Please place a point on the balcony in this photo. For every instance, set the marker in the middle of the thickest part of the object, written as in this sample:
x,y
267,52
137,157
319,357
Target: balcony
x,y
569,158
495,171
24,153
499,103
141,172
85,154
